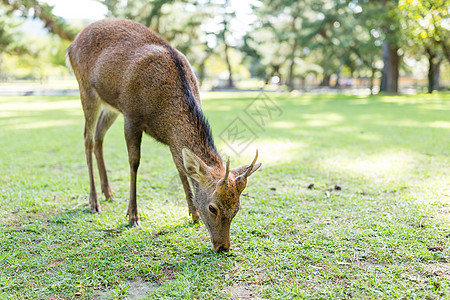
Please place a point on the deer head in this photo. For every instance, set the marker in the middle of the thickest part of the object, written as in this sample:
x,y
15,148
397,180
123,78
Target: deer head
x,y
216,194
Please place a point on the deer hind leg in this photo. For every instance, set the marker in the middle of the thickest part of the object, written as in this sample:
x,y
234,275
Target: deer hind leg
x,y
107,118
133,137
91,108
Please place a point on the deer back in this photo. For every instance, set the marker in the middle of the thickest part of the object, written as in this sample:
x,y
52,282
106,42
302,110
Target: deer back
x,y
136,72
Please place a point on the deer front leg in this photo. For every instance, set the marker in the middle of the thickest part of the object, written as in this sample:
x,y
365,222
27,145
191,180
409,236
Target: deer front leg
x,y
187,189
133,137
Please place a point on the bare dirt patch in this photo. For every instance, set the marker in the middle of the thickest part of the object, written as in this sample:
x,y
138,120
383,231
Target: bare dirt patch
x,y
169,273
137,289
241,292
438,269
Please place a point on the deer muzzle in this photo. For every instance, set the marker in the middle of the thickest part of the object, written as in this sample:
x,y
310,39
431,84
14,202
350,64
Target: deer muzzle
x,y
222,247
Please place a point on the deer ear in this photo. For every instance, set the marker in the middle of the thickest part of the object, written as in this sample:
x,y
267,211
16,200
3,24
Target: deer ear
x,y
194,166
241,170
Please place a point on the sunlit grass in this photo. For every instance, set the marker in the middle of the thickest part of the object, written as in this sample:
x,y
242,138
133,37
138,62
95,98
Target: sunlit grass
x,y
380,200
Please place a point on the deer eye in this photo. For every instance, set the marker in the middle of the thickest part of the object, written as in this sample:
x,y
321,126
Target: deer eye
x,y
212,209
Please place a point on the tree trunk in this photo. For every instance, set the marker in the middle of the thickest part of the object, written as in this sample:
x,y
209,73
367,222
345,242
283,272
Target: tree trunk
x,y
276,72
383,81
338,73
430,74
290,78
325,80
1,70
227,60
372,77
270,75
389,79
437,73
158,21
391,60
446,50
303,83
433,71
267,79
291,67
201,73
223,36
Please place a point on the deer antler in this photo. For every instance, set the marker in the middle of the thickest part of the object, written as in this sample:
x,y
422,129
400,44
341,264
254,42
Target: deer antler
x,y
227,172
250,168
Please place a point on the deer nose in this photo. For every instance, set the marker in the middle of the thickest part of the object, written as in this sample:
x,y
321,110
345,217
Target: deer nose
x,y
222,247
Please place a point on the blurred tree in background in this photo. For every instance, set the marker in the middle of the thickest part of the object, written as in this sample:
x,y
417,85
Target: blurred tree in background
x,y
43,11
391,58
284,42
32,57
324,35
8,38
422,24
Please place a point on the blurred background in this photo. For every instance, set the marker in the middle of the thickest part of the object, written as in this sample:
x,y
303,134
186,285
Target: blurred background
x,y
360,46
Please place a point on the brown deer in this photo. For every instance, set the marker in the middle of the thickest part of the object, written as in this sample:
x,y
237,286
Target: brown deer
x,y
124,67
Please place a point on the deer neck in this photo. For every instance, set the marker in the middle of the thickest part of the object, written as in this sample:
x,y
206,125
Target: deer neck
x,y
198,143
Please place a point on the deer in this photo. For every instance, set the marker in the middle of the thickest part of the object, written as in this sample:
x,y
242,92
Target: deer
x,y
123,67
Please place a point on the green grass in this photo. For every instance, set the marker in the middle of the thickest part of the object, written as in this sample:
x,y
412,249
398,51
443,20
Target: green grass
x,y
372,239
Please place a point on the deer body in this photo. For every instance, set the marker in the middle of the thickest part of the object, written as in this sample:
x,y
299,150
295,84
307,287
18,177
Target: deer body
x,y
123,67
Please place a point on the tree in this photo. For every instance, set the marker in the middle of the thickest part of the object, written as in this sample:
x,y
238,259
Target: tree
x,y
421,21
28,57
333,34
222,37
391,59
177,21
265,56
10,37
327,36
43,11
280,36
270,45
367,41
283,19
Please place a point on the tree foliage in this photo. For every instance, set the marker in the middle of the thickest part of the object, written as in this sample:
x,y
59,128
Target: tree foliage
x,y
302,37
288,40
426,24
43,11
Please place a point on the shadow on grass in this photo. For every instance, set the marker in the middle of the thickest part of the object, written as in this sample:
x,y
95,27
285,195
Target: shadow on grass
x,y
376,148
378,138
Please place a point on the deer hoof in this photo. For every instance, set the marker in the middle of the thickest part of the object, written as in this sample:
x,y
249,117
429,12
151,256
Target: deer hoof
x,y
95,210
135,223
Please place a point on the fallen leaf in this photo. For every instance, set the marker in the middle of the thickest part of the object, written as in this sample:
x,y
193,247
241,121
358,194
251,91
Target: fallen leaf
x,y
435,248
248,195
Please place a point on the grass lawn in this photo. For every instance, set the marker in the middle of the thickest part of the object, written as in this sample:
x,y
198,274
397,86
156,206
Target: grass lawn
x,y
374,222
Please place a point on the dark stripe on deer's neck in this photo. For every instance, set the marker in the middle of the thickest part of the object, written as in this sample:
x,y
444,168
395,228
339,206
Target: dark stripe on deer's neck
x,y
198,119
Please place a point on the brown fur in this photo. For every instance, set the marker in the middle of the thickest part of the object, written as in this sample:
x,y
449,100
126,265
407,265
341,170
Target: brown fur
x,y
123,67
